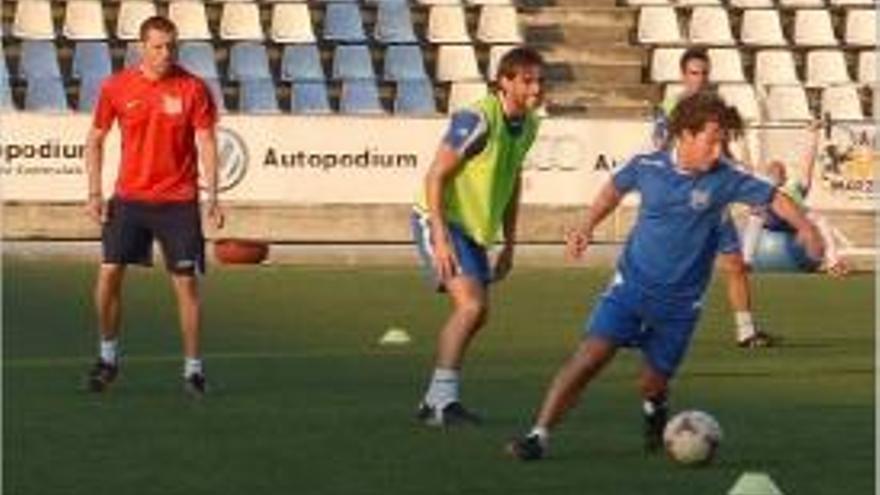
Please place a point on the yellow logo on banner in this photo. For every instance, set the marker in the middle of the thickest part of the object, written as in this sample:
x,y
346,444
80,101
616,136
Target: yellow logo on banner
x,y
850,160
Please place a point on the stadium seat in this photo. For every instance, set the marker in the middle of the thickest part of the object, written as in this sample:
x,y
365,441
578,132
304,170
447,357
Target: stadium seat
x,y
190,18
641,3
404,63
131,14
664,64
415,97
658,26
45,95
343,23
33,20
775,67
216,94
800,4
301,63
761,27
352,62
88,94
394,23
743,97
488,2
446,24
867,70
38,60
198,57
498,24
132,54
787,103
456,63
852,3
248,60
465,93
438,2
861,27
726,65
710,26
812,27
84,20
751,4
309,97
825,68
360,96
257,96
496,52
241,21
842,102
91,60
697,3
6,103
292,23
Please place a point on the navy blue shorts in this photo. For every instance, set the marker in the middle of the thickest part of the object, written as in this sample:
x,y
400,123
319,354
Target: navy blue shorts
x,y
127,236
472,257
662,329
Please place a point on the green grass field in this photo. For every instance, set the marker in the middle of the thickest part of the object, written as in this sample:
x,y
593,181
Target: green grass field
x,y
306,402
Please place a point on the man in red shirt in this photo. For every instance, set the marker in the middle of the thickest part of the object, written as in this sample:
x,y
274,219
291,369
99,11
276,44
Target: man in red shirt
x,y
166,119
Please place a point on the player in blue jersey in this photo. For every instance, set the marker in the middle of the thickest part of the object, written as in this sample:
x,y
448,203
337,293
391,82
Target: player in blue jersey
x,y
695,69
653,301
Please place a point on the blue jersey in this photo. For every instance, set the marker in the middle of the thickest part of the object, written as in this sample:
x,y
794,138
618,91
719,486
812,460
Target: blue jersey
x,y
671,248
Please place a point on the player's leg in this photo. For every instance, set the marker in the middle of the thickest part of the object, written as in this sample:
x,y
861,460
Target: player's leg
x,y
739,296
123,241
614,322
834,264
468,293
664,345
178,230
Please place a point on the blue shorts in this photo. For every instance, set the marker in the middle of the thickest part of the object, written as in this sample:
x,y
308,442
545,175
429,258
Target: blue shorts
x,y
728,237
472,257
662,329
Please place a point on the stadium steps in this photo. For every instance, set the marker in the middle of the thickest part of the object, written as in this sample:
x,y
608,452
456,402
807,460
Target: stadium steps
x,y
593,68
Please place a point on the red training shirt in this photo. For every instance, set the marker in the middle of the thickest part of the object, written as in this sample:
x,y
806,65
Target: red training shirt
x,y
158,120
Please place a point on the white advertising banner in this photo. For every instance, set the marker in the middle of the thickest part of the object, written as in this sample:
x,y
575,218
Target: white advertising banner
x,y
351,160
283,159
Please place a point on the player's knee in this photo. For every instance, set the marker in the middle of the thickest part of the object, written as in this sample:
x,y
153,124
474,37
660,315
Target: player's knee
x,y
733,265
474,309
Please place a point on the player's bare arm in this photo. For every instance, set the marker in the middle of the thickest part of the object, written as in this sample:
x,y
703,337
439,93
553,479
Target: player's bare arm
x,y
94,156
807,233
206,140
606,201
504,263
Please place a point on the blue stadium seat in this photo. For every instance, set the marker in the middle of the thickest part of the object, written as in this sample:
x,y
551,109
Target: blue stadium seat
x,y
394,23
39,60
352,62
257,96
404,63
359,97
6,97
248,60
91,60
309,97
45,95
343,23
301,63
198,57
216,93
415,98
132,54
88,94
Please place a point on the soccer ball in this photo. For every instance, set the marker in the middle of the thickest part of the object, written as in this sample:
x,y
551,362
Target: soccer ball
x,y
692,437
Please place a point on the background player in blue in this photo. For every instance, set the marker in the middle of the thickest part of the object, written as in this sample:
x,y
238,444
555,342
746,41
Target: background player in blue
x,y
654,299
695,70
470,193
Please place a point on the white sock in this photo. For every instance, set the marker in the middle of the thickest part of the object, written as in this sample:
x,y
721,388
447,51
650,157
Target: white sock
x,y
191,366
443,389
108,350
542,434
745,327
